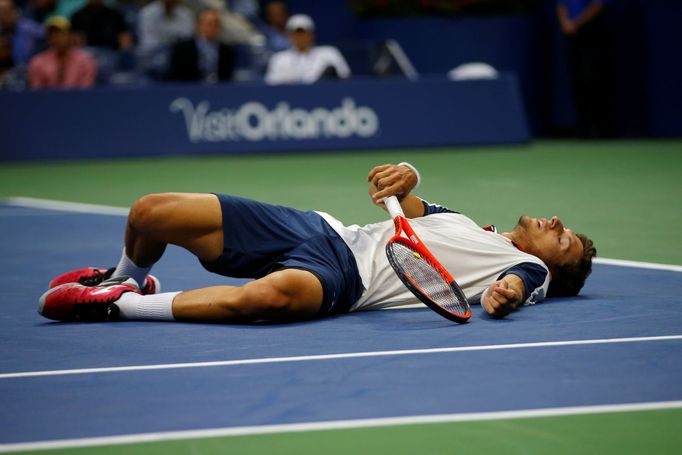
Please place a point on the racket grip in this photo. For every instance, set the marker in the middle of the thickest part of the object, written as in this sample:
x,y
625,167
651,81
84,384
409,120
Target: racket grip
x,y
393,206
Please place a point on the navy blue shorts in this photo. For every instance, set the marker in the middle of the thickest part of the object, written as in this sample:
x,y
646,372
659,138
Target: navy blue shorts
x,y
261,238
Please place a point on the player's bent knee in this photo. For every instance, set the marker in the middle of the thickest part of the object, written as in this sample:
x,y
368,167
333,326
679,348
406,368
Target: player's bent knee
x,y
148,211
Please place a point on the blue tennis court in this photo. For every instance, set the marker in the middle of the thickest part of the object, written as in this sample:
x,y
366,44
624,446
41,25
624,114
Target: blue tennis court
x,y
619,343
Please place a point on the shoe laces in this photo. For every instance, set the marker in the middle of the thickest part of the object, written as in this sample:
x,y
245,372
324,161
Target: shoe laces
x,y
97,277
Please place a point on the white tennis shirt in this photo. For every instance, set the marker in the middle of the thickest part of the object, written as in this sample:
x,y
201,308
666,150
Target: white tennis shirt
x,y
474,257
291,66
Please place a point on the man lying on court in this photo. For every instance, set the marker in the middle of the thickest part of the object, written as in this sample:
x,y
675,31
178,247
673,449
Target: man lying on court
x,y
308,264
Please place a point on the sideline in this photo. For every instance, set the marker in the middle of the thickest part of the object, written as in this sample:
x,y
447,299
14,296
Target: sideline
x,y
347,355
339,425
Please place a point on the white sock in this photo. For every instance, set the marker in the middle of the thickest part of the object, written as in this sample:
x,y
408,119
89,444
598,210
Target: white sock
x,y
126,267
155,307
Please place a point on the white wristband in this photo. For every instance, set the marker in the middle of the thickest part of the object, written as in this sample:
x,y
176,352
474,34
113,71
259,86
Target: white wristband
x,y
413,169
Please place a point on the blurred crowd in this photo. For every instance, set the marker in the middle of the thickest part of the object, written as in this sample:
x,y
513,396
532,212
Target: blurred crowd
x,y
83,43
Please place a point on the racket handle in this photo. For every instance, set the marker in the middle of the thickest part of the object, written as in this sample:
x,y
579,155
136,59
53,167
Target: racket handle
x,y
393,206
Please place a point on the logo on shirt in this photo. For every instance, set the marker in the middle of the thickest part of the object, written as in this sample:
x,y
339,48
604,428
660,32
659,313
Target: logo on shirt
x,y
253,121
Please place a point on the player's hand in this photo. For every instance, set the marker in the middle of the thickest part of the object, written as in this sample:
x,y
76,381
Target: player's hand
x,y
500,299
390,180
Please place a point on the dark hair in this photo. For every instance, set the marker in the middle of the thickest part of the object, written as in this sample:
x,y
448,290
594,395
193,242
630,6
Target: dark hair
x,y
568,279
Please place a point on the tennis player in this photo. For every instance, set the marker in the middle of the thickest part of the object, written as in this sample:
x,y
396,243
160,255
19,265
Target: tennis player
x,y
308,264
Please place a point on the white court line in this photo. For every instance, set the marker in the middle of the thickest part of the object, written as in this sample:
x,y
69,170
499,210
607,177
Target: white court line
x,y
339,425
62,206
347,355
637,264
27,211
49,204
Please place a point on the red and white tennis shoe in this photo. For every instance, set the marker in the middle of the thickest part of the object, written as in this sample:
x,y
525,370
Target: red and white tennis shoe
x,y
93,276
76,302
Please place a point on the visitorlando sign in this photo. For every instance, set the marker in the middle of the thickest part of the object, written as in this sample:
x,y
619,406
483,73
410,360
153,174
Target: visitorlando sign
x,y
253,121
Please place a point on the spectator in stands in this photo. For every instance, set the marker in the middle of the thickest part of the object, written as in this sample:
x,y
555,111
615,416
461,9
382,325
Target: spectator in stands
x,y
204,57
63,65
583,24
25,35
236,28
98,25
239,31
160,24
276,16
305,62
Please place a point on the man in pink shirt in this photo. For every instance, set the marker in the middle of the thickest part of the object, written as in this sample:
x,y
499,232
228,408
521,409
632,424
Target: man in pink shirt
x,y
62,65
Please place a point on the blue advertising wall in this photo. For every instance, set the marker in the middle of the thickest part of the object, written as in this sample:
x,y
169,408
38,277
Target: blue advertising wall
x,y
645,35
231,118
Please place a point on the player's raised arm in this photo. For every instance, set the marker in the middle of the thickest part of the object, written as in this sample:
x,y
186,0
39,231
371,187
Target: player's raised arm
x,y
396,180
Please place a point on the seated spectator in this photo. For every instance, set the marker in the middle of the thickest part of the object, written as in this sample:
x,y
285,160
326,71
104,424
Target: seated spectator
x,y
305,62
204,57
276,16
62,65
160,24
236,29
26,36
98,25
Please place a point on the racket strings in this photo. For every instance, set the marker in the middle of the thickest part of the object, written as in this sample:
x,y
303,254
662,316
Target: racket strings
x,y
428,279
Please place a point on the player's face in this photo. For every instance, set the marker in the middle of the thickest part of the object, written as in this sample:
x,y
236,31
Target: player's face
x,y
551,241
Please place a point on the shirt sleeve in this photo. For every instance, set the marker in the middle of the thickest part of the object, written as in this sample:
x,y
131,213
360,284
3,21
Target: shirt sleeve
x,y
277,72
535,279
340,63
430,209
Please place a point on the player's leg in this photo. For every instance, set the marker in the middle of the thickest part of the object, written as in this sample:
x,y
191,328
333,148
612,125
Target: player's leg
x,y
192,221
285,295
316,259
189,220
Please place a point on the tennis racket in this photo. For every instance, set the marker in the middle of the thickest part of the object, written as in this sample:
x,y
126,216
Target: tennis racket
x,y
421,272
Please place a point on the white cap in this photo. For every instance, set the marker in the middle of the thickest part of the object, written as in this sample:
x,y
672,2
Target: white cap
x,y
300,22
473,70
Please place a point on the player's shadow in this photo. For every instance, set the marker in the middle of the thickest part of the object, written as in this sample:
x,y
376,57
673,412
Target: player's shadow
x,y
404,320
